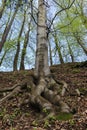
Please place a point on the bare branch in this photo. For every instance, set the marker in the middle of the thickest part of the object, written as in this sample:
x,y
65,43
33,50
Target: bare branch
x,y
68,7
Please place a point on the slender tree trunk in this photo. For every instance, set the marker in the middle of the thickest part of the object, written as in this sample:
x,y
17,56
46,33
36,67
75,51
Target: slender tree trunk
x,y
83,15
2,8
7,29
70,50
51,62
5,51
41,65
26,40
1,60
18,44
58,48
80,42
71,53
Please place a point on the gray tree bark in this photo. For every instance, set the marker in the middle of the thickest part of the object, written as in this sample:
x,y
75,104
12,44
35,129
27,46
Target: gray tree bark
x,y
43,88
41,65
41,93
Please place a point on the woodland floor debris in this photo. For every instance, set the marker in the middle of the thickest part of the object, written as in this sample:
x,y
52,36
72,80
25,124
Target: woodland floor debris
x,y
24,117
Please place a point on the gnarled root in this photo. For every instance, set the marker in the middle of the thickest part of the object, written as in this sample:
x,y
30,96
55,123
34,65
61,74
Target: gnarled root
x,y
44,95
47,99
12,91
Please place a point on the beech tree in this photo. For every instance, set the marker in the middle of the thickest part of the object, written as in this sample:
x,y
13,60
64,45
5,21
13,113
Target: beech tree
x,y
43,87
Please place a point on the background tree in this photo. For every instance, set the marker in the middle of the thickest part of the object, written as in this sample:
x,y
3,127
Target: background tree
x,y
2,7
18,43
7,28
26,40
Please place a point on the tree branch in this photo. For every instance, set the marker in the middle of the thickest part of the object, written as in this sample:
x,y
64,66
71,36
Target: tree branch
x,y
68,7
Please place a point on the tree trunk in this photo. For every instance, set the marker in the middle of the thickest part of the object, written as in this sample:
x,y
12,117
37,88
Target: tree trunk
x,y
70,51
3,56
26,40
18,44
7,29
43,88
58,48
2,8
80,42
41,93
41,65
51,62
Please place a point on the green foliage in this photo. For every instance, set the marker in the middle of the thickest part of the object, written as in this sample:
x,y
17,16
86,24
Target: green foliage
x,y
2,112
52,118
34,123
46,123
45,111
5,116
15,113
83,90
72,122
12,128
76,25
64,116
27,114
70,24
75,71
35,128
10,44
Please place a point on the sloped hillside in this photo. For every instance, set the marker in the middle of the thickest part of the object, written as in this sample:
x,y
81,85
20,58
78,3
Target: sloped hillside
x,y
17,116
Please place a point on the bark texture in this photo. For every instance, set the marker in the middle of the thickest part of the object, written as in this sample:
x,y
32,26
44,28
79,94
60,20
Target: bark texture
x,y
41,65
42,94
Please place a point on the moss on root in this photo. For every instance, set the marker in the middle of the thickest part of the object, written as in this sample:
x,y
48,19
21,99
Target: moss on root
x,y
64,116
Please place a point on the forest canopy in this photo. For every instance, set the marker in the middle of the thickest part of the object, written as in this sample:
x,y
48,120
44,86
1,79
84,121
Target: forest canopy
x,y
66,29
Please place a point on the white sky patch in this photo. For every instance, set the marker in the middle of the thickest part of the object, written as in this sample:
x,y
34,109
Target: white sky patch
x,y
0,2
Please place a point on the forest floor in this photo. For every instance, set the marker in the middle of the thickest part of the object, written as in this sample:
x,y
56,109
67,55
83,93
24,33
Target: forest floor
x,y
14,116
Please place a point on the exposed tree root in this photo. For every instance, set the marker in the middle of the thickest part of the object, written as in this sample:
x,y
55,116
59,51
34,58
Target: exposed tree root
x,y
9,89
15,91
12,91
43,95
